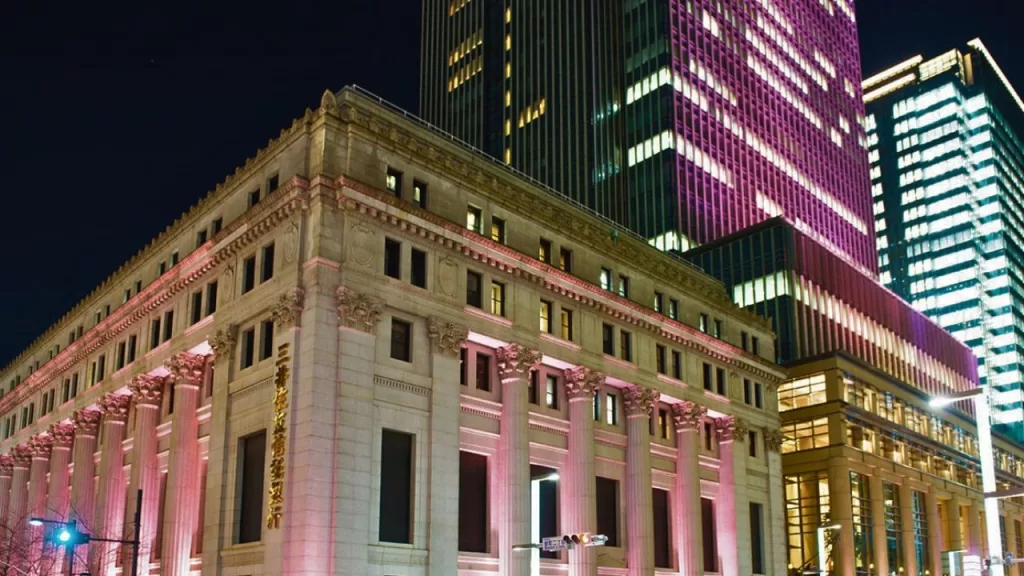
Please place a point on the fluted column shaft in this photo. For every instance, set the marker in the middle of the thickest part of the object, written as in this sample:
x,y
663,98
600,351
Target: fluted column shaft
x,y
182,488
514,364
18,507
57,499
110,496
639,402
688,417
42,447
86,424
145,473
936,533
579,488
732,498
6,473
878,524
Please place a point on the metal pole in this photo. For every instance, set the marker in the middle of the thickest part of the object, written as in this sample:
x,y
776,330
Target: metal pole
x,y
136,539
69,548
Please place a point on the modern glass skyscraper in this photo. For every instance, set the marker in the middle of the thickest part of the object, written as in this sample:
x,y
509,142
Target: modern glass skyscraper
x,y
947,170
686,120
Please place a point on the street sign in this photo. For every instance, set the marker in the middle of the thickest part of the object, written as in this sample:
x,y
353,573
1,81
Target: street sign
x,y
552,544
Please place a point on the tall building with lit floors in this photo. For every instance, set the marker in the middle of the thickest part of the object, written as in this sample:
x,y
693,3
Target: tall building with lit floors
x,y
947,169
371,350
890,483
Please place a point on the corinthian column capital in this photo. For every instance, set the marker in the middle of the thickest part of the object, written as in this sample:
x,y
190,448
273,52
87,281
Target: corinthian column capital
x,y
63,434
186,369
147,390
639,400
288,309
115,407
223,342
86,422
731,428
41,446
6,465
447,337
516,361
688,415
582,382
359,311
21,456
773,440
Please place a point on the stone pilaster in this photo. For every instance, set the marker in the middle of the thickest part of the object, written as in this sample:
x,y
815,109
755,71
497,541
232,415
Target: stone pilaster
x,y
906,497
937,533
58,494
878,523
446,340
110,495
18,510
638,402
841,513
86,424
147,392
954,535
6,473
688,417
41,446
216,521
579,487
732,508
515,362
975,529
186,375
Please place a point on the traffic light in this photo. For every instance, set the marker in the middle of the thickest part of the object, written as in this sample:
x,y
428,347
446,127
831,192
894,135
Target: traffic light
x,y
68,535
585,539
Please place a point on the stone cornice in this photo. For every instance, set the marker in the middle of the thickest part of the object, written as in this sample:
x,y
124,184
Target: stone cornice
x,y
290,197
466,243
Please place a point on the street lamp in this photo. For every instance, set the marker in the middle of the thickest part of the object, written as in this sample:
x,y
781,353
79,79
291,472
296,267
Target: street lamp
x,y
822,560
988,468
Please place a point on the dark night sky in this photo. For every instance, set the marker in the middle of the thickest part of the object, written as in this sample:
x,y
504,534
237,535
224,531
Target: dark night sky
x,y
120,118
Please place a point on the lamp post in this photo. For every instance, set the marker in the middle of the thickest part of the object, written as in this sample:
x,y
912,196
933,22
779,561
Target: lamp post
x,y
822,560
983,411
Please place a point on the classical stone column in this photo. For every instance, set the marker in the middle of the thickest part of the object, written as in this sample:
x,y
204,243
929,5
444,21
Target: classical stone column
x,y
579,487
776,543
186,375
688,417
878,523
954,536
936,533
732,510
18,511
87,425
447,339
42,447
6,473
974,535
639,401
216,529
515,362
110,494
145,472
57,499
840,493
907,528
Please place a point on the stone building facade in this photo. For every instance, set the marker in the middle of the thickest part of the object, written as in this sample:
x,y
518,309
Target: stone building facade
x,y
369,351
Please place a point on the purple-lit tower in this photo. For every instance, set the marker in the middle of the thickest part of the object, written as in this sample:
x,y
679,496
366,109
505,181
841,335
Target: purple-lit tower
x,y
761,103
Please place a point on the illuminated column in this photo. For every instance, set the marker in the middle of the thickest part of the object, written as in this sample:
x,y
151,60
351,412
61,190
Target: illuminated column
x,y
186,375
6,473
878,523
515,362
936,532
639,401
447,339
147,391
907,527
86,423
955,536
732,510
42,448
688,417
973,538
840,492
215,527
18,508
776,543
579,483
63,434
110,496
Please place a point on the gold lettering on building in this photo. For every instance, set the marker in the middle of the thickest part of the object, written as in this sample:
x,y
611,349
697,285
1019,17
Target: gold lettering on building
x,y
279,437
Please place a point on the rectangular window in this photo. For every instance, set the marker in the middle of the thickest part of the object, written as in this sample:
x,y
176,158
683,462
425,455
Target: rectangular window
x,y
752,443
267,339
716,329
74,385
660,358
396,483
673,309
197,307
544,251
606,279
474,289
401,340
625,346
248,274
122,350
393,182
211,297
248,351
418,268
254,197
218,225
703,325
744,338
463,365
168,324
624,286
758,395
200,238
756,537
708,535
101,367
720,380
706,377
608,509
566,317
545,316
497,230
267,263
473,527
474,219
748,392
659,302
534,395
551,392
127,295
272,183
419,193
755,345
132,341
608,339
663,423
677,365
548,496
497,298
565,260
174,258
154,333
662,545
252,454
483,372
392,258
611,409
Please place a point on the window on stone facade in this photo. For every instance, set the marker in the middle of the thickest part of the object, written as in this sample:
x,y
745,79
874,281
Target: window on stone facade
x,y
393,182
748,392
396,481
744,340
174,259
161,268
706,377
211,297
606,279
473,528
217,226
267,339
755,345
534,392
248,351
154,333
659,302
662,544
74,385
254,197
419,193
474,219
660,358
401,340
497,230
548,497
463,365
272,183
497,298
392,258
248,274
677,365
267,263
566,317
758,395
418,268
757,537
565,260
752,443
608,339
608,509
626,345
201,237
132,345
703,323
122,350
168,324
708,534
716,328
197,307
545,316
623,285
474,289
611,409
252,454
709,437
551,392
483,372
673,309
720,381
544,251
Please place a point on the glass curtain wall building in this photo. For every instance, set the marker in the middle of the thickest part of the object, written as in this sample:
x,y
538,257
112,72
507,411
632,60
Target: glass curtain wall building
x,y
947,170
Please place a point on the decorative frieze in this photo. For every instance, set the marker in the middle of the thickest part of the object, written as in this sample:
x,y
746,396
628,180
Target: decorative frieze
x,y
223,342
516,361
582,382
147,390
87,422
288,309
447,337
115,407
357,310
186,369
639,400
773,440
62,434
731,428
688,415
